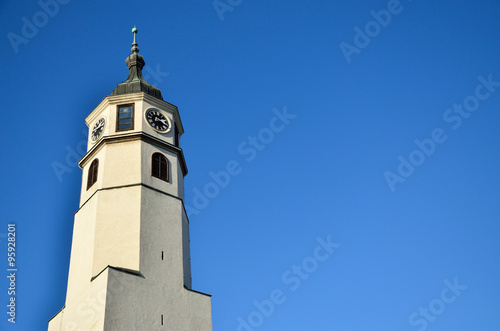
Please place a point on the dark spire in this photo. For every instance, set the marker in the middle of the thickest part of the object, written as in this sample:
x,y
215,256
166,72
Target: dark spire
x,y
135,82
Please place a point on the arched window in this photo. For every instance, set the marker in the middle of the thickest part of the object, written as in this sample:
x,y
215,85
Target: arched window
x,y
159,168
92,175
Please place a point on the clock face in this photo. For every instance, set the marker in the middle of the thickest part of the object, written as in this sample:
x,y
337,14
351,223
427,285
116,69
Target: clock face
x,y
157,120
98,129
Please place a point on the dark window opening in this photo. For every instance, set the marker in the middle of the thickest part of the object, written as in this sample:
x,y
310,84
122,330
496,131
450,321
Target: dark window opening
x,y
176,136
159,167
125,118
92,174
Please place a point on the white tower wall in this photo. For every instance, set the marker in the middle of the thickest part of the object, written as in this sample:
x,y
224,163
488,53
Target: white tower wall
x,y
130,259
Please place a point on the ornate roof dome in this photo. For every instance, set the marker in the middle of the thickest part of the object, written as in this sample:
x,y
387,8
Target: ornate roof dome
x,y
135,82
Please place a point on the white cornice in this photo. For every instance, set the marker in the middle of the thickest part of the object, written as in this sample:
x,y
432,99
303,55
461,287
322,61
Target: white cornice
x,y
131,137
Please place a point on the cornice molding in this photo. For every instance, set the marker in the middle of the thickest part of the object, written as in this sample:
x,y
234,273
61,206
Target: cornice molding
x,y
132,185
125,137
191,290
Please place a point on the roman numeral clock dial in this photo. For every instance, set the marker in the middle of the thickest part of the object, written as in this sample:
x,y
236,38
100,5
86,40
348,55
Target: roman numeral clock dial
x,y
157,120
98,129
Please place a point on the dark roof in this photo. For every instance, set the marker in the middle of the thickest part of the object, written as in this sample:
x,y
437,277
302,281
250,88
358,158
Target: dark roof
x,y
135,82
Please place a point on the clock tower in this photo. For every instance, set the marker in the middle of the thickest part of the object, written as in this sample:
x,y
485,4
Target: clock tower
x,y
130,260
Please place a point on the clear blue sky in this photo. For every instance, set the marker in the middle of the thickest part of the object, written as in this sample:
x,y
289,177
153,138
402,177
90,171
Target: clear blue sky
x,y
389,147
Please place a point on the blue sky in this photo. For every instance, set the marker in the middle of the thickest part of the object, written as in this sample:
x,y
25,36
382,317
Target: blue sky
x,y
366,196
